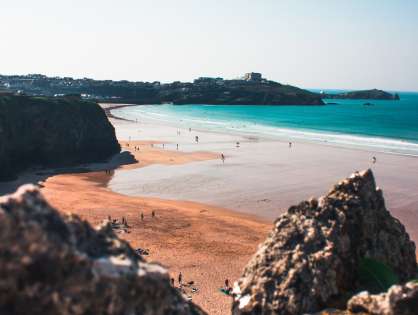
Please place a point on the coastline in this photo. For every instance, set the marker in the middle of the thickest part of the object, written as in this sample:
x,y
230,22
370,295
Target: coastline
x,y
269,123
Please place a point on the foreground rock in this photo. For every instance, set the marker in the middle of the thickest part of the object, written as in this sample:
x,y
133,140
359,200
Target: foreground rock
x,y
41,131
311,259
53,264
399,300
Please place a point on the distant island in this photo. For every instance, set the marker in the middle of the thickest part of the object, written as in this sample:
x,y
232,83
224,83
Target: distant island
x,y
373,94
251,89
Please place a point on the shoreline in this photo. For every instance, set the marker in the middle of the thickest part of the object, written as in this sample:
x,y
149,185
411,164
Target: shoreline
x,y
352,141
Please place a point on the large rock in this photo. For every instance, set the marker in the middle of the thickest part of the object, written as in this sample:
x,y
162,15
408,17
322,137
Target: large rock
x,y
310,261
54,264
41,131
399,300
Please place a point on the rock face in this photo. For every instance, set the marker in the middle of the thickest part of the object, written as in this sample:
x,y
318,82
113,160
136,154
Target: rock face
x,y
37,131
54,264
310,260
399,300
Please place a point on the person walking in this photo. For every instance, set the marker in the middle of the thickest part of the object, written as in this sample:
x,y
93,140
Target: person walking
x,y
223,158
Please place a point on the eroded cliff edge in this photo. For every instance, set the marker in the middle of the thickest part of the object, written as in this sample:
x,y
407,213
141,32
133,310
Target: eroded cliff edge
x,y
42,131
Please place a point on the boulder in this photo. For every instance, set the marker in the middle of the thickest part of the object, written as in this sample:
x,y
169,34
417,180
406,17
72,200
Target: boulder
x,y
58,264
310,261
398,300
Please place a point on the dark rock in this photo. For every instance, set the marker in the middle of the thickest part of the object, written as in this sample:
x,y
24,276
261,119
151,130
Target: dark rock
x,y
56,264
399,300
41,131
310,261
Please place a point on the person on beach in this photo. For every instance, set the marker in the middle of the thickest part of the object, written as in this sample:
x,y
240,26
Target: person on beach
x,y
153,214
196,139
223,158
374,160
190,129
142,216
237,144
180,278
290,145
177,146
172,282
163,145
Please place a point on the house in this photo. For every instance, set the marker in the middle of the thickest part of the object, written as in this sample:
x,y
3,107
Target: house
x,y
252,76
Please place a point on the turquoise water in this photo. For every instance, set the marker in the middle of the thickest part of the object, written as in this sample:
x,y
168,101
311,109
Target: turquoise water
x,y
388,126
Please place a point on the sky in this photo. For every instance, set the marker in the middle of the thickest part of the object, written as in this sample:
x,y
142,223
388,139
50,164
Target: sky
x,y
356,44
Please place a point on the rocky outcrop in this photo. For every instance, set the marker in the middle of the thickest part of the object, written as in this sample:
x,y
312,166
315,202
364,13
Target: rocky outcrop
x,y
55,264
373,94
40,131
399,300
311,259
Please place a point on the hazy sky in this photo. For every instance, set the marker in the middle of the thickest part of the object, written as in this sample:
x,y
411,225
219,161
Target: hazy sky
x,y
313,43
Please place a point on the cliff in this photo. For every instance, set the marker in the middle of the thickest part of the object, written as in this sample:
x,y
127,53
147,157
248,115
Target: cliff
x,y
364,95
322,252
52,264
41,131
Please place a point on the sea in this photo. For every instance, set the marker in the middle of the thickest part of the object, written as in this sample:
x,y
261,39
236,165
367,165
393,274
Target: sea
x,y
384,126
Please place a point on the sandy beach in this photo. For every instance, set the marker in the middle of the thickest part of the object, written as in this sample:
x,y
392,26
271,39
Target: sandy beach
x,y
210,215
206,244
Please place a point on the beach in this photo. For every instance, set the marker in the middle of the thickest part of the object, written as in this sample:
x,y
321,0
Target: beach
x,y
206,244
211,215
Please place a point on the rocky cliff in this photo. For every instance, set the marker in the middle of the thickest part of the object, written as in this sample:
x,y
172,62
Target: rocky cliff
x,y
55,264
312,259
40,131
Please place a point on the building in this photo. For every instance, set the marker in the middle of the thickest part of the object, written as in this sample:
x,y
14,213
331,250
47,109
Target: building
x,y
252,76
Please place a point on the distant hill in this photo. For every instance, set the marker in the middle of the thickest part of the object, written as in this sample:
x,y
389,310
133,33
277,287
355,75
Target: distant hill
x,y
373,94
204,90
